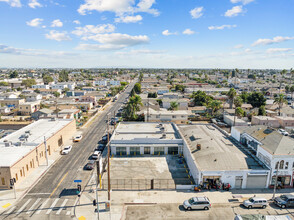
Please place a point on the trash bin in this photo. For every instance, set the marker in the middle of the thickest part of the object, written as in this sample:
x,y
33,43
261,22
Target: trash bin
x,y
107,206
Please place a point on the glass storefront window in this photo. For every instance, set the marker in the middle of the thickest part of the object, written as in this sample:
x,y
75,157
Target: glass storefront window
x,y
158,150
120,151
134,151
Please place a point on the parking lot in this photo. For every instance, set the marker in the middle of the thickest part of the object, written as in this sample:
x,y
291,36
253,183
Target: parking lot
x,y
137,172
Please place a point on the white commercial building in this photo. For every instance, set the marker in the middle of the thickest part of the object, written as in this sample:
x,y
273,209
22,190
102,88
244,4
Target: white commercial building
x,y
137,138
213,158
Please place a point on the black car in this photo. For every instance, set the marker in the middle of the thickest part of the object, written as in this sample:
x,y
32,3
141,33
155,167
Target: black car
x,y
90,165
100,147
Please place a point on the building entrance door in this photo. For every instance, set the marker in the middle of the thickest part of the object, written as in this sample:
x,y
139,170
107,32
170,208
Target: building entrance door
x,y
146,150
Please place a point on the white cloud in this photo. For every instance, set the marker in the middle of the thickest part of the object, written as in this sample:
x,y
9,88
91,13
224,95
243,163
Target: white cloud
x,y
35,22
12,3
113,41
235,11
136,52
238,46
188,32
266,41
34,4
278,50
129,19
167,33
196,12
76,22
92,30
222,27
119,7
56,23
244,2
58,36
247,50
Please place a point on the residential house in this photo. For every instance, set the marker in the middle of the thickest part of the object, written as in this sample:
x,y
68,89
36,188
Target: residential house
x,y
12,102
114,83
42,113
87,98
285,122
41,86
182,103
75,93
265,120
32,97
27,108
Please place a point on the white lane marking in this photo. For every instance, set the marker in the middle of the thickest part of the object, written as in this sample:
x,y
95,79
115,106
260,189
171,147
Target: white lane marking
x,y
32,194
42,206
23,207
62,206
68,213
33,206
10,210
52,206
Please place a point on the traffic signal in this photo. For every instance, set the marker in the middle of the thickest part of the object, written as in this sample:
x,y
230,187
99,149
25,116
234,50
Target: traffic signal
x,y
79,188
94,202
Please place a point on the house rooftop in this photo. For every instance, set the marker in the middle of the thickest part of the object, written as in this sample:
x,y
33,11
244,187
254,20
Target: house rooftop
x,y
217,151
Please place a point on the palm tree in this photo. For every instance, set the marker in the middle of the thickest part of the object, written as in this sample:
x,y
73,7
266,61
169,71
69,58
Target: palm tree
x,y
232,94
283,72
280,100
214,105
173,106
292,74
132,107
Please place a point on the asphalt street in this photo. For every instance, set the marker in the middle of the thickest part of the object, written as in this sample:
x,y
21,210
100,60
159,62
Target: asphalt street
x,y
55,195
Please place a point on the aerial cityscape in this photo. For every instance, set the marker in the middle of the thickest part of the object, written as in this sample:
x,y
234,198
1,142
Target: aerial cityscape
x,y
145,109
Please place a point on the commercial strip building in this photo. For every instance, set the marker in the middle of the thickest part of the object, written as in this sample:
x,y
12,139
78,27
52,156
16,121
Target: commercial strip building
x,y
24,150
273,149
212,157
135,138
178,117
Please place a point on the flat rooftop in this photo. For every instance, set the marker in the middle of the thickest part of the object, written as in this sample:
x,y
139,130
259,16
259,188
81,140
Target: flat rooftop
x,y
217,151
134,130
38,130
265,118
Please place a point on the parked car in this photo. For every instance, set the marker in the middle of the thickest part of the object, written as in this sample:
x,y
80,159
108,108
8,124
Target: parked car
x,y
78,138
284,201
283,132
96,155
259,216
255,202
104,138
90,165
100,147
66,150
197,203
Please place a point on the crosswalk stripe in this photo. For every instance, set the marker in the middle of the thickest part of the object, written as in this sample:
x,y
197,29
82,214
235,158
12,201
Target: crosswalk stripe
x,y
52,206
62,206
10,210
42,206
33,206
23,207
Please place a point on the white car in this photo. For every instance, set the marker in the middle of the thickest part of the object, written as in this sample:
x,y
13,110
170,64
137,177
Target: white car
x,y
283,132
78,138
66,150
96,155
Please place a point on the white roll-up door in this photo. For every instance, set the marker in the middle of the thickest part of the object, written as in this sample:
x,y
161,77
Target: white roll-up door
x,y
256,181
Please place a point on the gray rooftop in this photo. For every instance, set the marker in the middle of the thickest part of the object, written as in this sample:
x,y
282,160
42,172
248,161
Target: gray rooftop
x,y
217,151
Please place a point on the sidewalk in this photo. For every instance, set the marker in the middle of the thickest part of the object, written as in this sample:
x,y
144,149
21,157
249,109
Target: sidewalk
x,y
121,199
7,197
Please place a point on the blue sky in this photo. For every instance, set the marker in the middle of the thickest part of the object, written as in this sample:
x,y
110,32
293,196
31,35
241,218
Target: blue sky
x,y
147,33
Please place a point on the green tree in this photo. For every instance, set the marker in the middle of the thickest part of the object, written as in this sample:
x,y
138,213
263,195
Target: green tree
x,y
56,94
200,98
173,106
37,91
261,110
214,105
280,100
141,77
132,93
180,88
292,90
132,107
123,83
244,95
14,74
239,112
47,79
256,99
28,82
4,83
63,76
137,88
287,88
231,95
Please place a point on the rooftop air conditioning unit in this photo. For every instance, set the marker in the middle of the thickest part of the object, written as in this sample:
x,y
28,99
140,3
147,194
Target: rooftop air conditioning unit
x,y
163,136
8,144
18,144
28,132
53,119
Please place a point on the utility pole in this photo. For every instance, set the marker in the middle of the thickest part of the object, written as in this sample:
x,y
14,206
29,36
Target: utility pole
x,y
46,151
97,180
108,155
56,109
275,186
148,110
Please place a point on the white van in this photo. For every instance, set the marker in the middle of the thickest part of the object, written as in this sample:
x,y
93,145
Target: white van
x,y
96,154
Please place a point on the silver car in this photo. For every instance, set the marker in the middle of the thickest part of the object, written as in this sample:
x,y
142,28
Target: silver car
x,y
197,203
255,202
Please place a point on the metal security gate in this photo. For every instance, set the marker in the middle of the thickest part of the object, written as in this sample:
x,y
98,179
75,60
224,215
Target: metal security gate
x,y
144,184
256,181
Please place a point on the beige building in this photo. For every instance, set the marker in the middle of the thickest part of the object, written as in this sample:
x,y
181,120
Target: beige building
x,y
24,150
28,108
265,120
285,121
178,117
12,103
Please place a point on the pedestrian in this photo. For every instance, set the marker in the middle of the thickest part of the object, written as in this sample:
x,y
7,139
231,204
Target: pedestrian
x,y
223,186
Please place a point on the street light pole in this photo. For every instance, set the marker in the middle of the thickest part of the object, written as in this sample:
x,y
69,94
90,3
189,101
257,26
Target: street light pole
x,y
46,152
108,155
275,186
